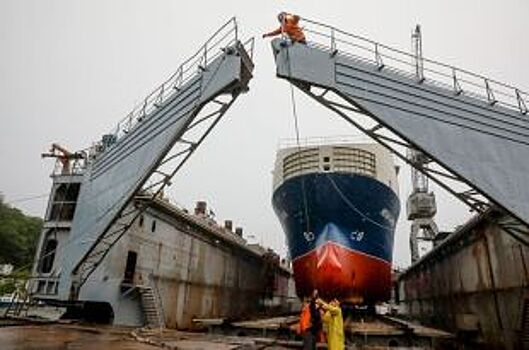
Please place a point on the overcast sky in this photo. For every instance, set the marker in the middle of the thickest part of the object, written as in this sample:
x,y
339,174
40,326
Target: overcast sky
x,y
69,70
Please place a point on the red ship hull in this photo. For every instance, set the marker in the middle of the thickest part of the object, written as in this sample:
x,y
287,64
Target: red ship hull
x,y
337,271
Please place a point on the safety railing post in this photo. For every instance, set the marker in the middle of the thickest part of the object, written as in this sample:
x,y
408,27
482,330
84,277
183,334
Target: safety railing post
x,y
205,55
236,29
252,47
179,78
333,42
144,108
521,102
160,96
378,58
456,86
490,94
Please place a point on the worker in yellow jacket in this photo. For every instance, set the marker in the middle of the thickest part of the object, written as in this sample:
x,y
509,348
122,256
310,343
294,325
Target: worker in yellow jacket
x,y
334,321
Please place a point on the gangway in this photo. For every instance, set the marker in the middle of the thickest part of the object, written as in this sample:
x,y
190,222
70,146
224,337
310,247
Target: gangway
x,y
148,147
474,130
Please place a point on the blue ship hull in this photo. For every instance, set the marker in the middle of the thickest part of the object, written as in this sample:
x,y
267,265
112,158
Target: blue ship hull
x,y
339,229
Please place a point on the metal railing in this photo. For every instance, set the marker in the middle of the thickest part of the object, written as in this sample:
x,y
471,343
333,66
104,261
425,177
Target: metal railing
x,y
460,81
316,141
227,35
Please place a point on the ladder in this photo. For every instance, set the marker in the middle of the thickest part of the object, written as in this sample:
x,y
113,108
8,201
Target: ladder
x,y
20,303
151,307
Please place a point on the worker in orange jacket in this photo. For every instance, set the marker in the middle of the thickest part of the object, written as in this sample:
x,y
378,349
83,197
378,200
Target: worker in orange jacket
x,y
305,326
289,26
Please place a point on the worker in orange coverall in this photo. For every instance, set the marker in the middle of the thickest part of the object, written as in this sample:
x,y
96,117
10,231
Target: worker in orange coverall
x,y
289,26
333,319
309,342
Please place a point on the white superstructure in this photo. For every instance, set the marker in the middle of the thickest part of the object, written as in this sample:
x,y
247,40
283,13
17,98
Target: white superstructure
x,y
368,159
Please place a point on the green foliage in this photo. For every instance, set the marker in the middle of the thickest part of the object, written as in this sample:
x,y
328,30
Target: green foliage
x,y
13,282
7,286
19,235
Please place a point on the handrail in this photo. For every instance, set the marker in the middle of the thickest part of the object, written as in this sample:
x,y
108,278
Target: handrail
x,y
316,141
461,81
226,35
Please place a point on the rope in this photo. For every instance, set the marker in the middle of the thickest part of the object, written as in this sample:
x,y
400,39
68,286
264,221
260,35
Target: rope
x,y
354,208
335,186
296,126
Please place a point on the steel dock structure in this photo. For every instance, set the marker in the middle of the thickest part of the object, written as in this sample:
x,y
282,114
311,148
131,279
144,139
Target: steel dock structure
x,y
113,246
171,267
474,132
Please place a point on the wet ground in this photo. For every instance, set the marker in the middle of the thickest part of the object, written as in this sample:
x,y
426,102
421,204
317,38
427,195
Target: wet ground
x,y
44,334
63,337
60,336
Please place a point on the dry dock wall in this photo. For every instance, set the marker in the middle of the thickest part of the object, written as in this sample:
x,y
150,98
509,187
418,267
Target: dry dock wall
x,y
196,268
474,284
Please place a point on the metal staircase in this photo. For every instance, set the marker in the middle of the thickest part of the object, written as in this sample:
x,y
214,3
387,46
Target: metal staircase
x,y
148,148
473,130
20,303
151,306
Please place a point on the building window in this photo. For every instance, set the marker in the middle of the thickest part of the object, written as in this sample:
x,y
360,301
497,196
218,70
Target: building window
x,y
64,202
48,255
326,159
140,223
326,168
153,226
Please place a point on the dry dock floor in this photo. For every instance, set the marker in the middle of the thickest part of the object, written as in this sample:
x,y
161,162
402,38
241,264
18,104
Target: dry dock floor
x,y
53,336
83,337
58,336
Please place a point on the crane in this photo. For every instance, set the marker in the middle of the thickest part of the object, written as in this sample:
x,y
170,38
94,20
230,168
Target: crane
x,y
63,156
421,206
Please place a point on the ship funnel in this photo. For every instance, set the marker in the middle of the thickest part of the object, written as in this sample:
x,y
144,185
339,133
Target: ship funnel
x,y
238,231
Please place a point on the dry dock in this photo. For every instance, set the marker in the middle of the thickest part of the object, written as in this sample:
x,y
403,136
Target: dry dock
x,y
473,284
266,333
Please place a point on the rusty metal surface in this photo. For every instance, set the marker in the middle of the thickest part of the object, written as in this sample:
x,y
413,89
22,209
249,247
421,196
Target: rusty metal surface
x,y
198,269
475,284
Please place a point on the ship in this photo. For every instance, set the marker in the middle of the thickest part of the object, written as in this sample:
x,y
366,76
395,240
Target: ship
x,y
338,205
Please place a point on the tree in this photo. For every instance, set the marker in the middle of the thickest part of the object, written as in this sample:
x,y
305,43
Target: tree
x,y
19,235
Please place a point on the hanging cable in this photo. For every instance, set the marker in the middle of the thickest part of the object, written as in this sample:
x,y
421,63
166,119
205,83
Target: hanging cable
x,y
26,199
354,208
296,127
